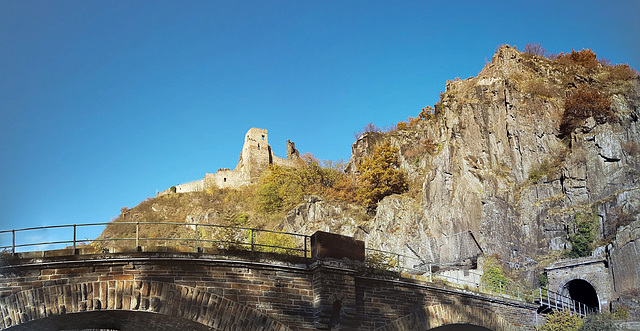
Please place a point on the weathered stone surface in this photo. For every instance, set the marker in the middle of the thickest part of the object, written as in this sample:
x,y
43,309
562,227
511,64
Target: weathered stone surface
x,y
178,291
491,132
625,255
318,215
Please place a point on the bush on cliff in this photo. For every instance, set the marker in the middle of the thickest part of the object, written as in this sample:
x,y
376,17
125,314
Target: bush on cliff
x,y
380,176
584,236
584,103
282,188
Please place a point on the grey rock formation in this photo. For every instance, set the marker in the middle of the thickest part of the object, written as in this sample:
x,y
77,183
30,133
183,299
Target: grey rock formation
x,y
492,161
492,131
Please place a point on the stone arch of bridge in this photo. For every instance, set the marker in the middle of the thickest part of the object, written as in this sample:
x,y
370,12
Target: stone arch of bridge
x,y
450,317
460,327
180,304
581,290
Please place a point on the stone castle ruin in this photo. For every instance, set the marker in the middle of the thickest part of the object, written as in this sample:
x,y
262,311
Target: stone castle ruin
x,y
256,156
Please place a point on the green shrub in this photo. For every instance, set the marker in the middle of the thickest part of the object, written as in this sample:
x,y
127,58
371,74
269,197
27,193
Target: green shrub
x,y
599,322
279,243
543,280
282,188
279,189
620,313
584,236
562,321
547,168
493,275
381,261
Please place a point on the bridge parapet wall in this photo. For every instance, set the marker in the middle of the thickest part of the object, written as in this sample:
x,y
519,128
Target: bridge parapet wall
x,y
242,294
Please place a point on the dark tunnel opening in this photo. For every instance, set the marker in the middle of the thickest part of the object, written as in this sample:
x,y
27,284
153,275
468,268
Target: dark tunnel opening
x,y
581,291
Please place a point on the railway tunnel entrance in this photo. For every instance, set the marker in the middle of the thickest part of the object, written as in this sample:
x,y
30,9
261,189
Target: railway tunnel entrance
x,y
582,291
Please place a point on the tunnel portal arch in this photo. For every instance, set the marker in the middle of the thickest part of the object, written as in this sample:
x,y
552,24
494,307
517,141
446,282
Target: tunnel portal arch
x,y
582,291
587,280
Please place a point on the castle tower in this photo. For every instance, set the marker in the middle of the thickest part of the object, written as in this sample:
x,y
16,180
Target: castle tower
x,y
256,153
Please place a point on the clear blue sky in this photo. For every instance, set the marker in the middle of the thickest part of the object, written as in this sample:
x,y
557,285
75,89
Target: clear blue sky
x,y
103,102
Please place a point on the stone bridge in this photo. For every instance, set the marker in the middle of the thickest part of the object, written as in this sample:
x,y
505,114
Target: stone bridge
x,y
197,291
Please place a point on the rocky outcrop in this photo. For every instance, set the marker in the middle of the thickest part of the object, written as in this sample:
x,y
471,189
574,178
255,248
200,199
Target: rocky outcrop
x,y
316,214
625,255
491,160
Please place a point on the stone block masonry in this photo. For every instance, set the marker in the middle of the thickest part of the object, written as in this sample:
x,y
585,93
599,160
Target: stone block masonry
x,y
592,270
207,292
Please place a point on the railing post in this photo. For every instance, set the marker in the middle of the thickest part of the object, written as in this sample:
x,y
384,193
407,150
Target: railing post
x,y
252,240
305,246
74,239
137,235
430,276
197,235
540,295
13,242
398,263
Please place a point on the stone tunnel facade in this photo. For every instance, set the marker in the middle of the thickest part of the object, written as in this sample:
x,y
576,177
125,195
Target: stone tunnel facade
x,y
209,293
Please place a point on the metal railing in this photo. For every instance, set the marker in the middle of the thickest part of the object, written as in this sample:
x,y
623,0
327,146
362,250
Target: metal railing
x,y
198,238
553,300
470,280
411,266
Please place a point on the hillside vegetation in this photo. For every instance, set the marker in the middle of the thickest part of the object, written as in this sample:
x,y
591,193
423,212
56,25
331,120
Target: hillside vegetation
x,y
264,205
516,155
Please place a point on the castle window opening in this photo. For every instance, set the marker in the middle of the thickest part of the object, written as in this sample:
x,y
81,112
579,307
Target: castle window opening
x,y
262,137
225,179
258,146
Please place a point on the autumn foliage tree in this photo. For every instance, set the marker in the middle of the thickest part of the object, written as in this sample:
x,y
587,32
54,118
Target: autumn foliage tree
x,y
582,104
380,176
586,58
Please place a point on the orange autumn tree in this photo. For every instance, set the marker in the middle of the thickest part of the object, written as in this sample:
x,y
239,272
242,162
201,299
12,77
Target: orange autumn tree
x,y
380,176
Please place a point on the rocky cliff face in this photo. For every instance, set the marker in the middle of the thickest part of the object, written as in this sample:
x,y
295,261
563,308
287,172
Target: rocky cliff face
x,y
491,161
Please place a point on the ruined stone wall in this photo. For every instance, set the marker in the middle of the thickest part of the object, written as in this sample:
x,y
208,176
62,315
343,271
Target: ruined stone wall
x,y
256,156
226,178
